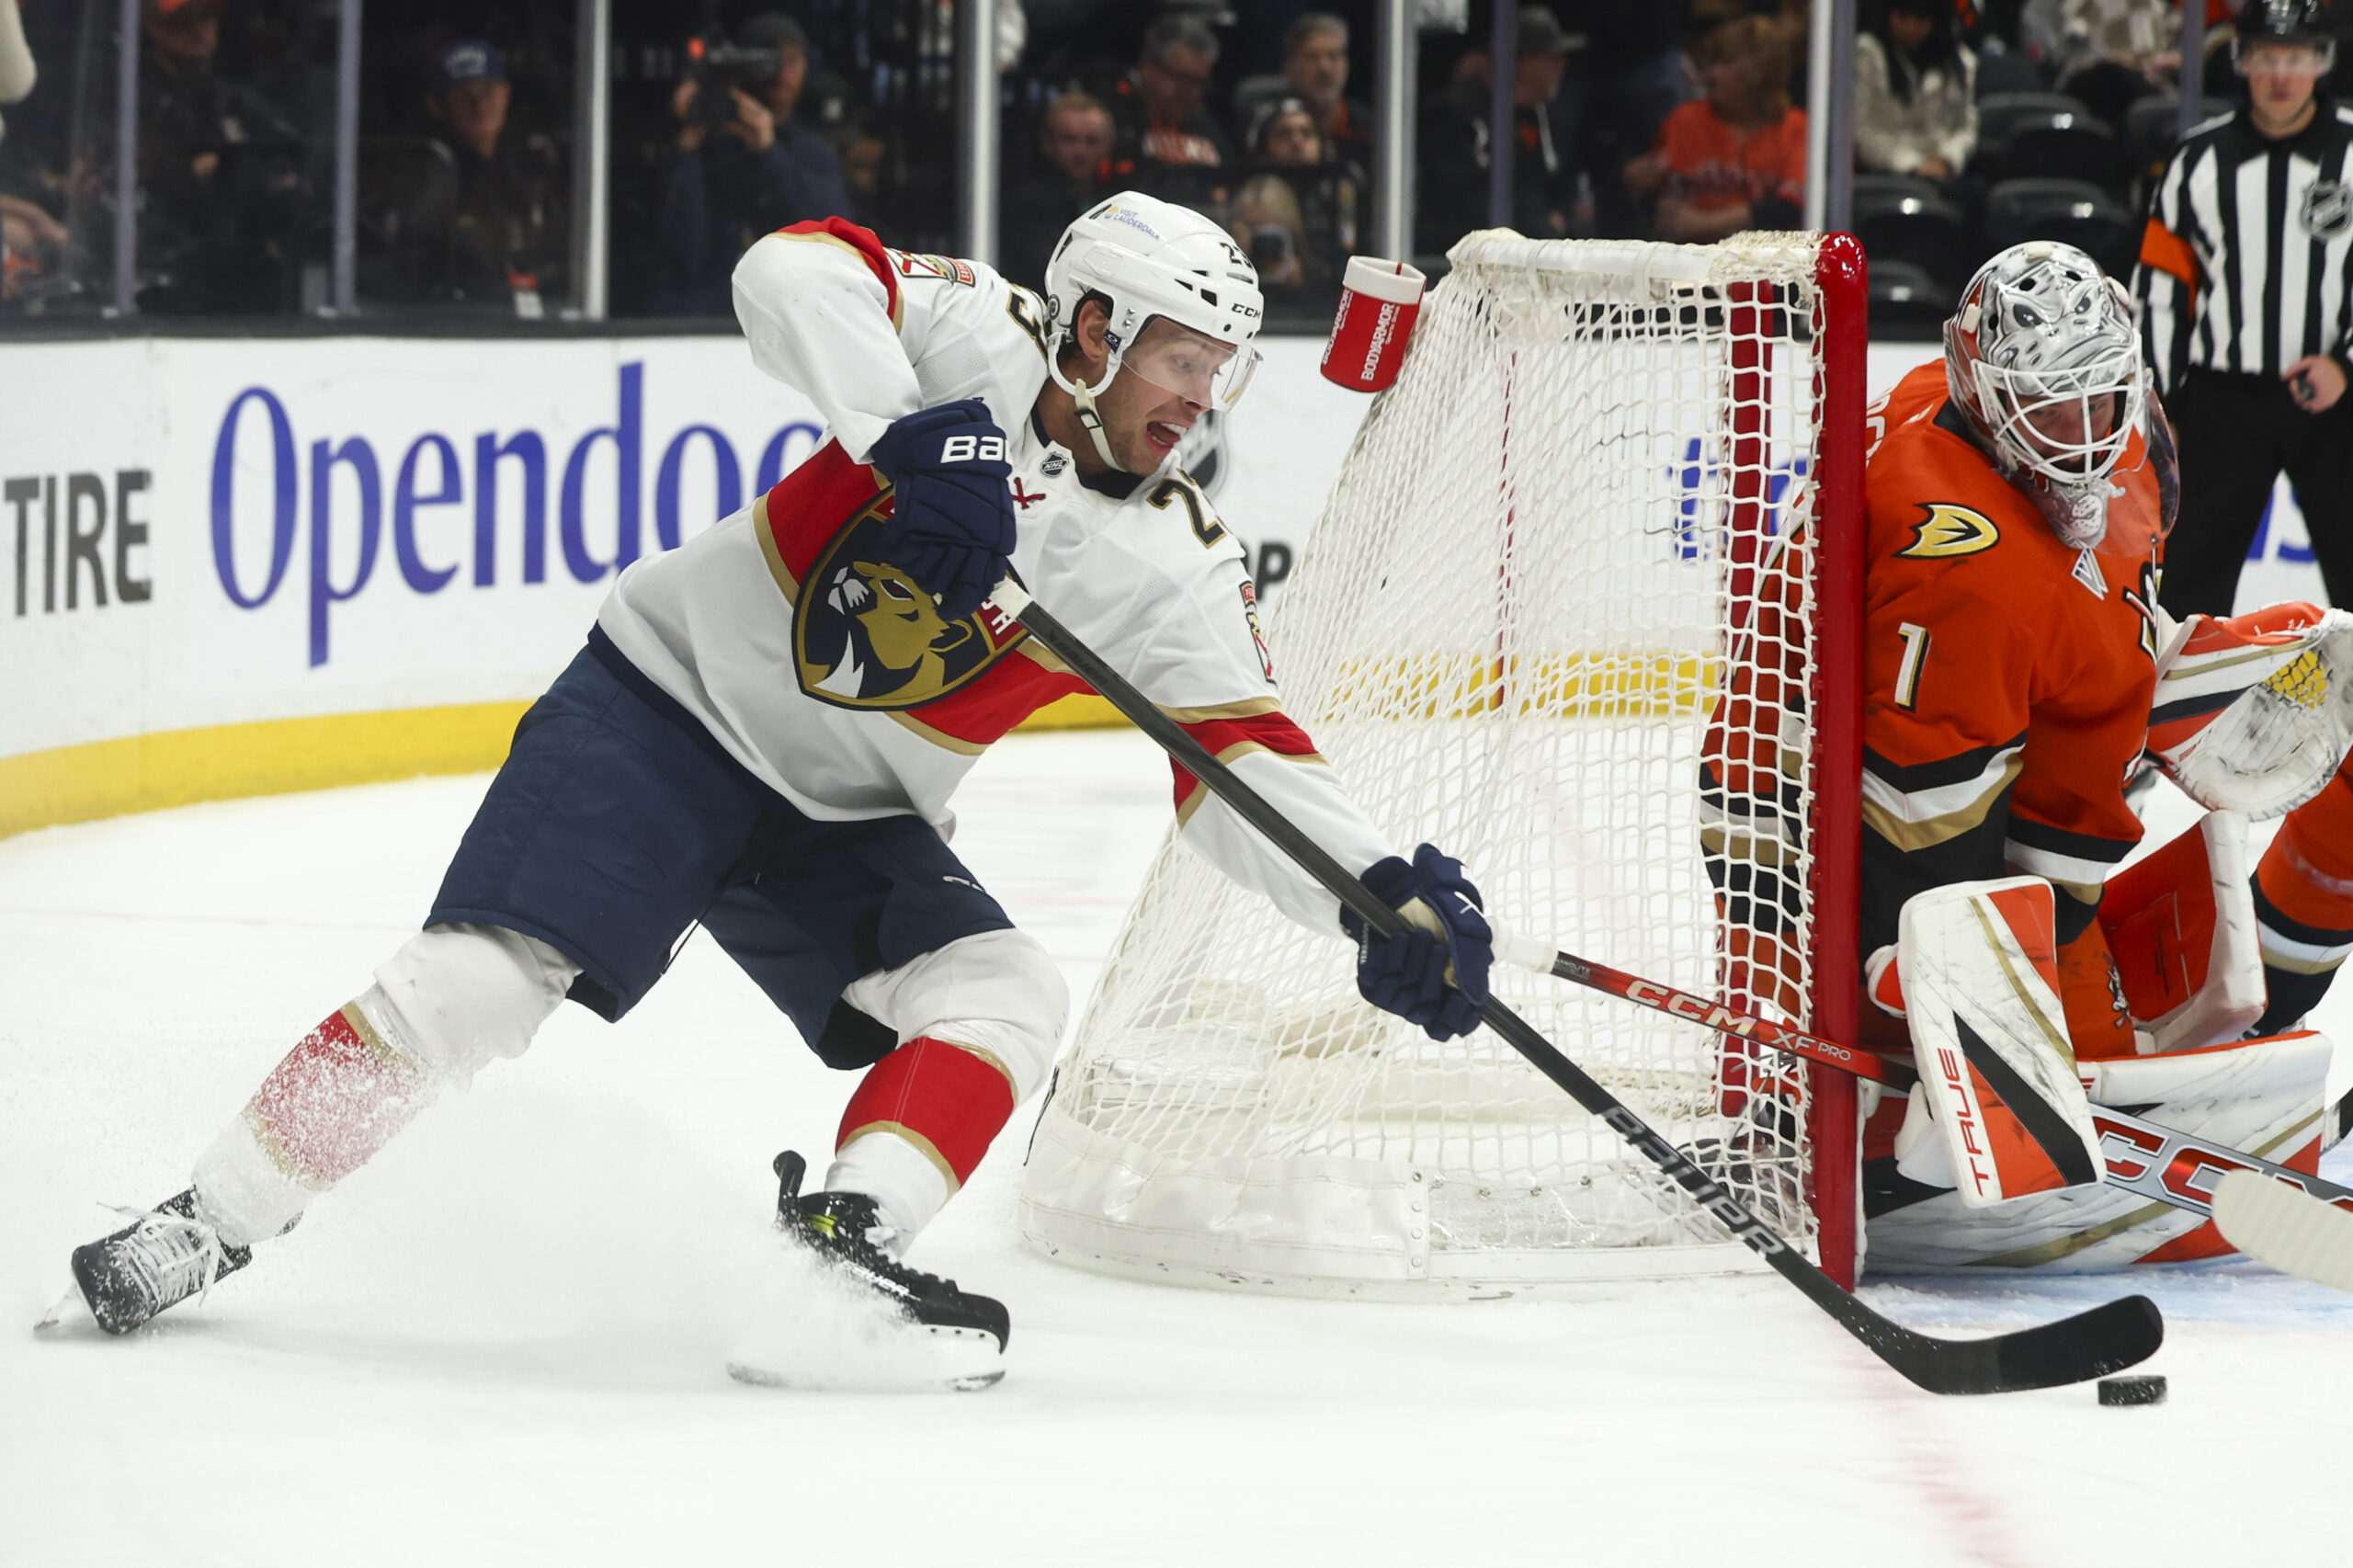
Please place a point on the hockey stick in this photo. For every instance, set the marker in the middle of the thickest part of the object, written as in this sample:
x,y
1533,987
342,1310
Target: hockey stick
x,y
2142,1157
2090,1345
2270,1224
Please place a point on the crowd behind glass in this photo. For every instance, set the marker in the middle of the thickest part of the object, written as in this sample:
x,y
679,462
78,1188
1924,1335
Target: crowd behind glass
x,y
1668,119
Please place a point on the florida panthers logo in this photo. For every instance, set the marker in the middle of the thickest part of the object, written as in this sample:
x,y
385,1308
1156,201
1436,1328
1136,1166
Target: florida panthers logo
x,y
865,635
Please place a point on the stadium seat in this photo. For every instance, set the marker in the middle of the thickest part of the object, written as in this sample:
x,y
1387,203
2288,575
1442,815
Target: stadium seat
x,y
2043,136
1901,218
1907,304
2009,72
2073,211
2152,130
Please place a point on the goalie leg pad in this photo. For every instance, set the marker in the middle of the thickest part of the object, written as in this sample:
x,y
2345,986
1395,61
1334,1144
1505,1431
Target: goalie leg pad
x,y
1998,1079
2264,1096
2182,925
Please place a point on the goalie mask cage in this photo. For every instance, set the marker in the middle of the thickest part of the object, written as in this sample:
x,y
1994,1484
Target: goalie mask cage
x,y
1605,527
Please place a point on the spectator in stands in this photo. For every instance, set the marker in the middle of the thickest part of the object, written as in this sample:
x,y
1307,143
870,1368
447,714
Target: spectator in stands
x,y
1915,109
1295,214
219,175
1454,160
759,169
1316,209
2109,53
1315,71
1617,90
487,221
1734,159
1163,131
1075,144
29,237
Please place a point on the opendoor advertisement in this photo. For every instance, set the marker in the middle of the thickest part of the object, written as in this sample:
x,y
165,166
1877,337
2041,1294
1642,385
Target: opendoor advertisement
x,y
204,536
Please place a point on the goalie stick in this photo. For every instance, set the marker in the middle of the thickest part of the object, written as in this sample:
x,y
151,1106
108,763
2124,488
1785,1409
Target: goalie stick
x,y
2071,1350
2270,1224
2179,1168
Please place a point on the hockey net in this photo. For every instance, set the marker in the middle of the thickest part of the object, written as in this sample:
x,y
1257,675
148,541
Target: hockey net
x,y
1577,550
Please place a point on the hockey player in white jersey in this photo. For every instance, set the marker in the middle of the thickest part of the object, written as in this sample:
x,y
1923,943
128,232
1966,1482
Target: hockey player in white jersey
x,y
766,728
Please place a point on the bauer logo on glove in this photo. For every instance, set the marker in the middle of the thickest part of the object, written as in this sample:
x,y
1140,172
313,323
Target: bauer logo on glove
x,y
953,517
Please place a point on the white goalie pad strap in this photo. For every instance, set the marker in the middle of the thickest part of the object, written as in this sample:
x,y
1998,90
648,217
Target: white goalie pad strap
x,y
2255,713
1979,963
2182,923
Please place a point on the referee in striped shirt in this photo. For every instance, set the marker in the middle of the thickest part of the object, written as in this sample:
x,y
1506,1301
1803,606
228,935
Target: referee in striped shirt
x,y
2247,292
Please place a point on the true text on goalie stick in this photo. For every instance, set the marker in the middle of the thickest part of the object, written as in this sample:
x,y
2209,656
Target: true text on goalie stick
x,y
2076,1349
2142,1157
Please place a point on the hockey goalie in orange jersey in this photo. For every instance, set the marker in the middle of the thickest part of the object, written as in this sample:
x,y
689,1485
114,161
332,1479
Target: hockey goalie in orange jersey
x,y
2017,498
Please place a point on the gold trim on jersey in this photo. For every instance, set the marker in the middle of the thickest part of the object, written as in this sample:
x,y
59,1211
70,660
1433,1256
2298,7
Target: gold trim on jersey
x,y
1911,836
1949,530
940,738
865,262
1229,756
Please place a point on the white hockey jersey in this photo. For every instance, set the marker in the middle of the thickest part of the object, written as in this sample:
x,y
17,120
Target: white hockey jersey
x,y
820,666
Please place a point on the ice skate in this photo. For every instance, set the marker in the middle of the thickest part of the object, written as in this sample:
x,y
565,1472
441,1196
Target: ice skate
x,y
886,1326
160,1260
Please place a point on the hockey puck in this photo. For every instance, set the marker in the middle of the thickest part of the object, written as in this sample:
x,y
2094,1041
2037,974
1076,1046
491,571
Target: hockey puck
x,y
2147,1388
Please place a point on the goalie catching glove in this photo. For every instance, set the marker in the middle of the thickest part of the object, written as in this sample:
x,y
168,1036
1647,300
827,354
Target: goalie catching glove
x,y
953,513
1433,974
2254,713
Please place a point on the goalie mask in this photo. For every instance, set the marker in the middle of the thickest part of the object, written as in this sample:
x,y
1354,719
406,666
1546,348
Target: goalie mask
x,y
2043,361
1149,259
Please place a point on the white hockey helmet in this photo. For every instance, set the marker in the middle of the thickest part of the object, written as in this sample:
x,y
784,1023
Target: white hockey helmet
x,y
2044,360
1148,257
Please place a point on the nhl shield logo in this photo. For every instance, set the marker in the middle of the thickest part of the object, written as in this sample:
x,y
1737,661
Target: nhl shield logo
x,y
864,634
2327,210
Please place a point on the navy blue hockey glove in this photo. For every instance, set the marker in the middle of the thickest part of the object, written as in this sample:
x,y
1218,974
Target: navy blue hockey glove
x,y
1406,974
952,528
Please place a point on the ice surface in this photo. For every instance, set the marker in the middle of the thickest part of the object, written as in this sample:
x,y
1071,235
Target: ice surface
x,y
502,1342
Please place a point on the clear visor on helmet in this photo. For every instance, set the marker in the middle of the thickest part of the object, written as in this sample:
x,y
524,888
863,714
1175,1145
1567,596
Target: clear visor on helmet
x,y
2071,426
2283,58
1190,364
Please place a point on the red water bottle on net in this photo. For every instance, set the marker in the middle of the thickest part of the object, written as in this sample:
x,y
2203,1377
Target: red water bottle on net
x,y
1379,301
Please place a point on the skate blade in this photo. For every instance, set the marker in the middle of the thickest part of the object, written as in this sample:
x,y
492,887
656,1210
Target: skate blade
x,y
70,1311
914,1358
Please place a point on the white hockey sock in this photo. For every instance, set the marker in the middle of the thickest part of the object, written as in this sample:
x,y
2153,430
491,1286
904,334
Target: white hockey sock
x,y
908,1188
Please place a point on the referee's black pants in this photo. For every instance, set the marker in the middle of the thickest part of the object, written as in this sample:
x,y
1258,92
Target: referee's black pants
x,y
2236,434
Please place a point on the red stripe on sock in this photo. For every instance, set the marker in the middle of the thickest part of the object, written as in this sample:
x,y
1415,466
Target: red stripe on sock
x,y
336,1098
942,1094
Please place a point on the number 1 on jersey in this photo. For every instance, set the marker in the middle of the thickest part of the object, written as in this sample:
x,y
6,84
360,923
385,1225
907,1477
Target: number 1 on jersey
x,y
1907,674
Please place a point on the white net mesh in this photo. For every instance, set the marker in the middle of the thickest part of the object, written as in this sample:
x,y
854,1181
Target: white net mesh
x,y
1540,569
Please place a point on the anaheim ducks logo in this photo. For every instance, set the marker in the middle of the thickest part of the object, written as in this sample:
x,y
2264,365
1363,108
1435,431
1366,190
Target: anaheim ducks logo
x,y
1949,530
864,635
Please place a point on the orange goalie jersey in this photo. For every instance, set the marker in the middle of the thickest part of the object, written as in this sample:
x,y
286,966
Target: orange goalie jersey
x,y
2006,681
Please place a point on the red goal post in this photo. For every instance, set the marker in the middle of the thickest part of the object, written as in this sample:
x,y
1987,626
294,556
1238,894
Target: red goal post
x,y
1584,608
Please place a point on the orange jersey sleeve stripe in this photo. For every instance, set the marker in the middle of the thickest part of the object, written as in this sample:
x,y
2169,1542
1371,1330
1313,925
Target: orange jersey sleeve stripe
x,y
2170,254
